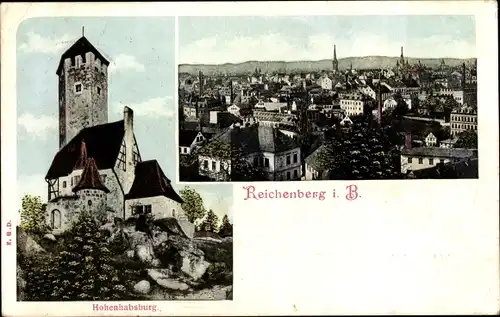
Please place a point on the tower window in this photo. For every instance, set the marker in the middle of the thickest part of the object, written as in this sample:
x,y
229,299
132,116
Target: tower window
x,y
98,90
78,88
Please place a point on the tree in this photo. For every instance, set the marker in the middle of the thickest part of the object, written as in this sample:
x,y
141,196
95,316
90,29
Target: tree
x,y
193,204
33,214
467,139
362,151
226,228
82,270
210,223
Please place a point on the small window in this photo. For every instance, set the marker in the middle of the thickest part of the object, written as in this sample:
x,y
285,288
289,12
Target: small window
x,y
147,209
288,160
173,213
205,164
431,161
295,157
78,88
214,165
420,161
139,209
441,161
295,174
98,90
288,175
261,162
64,184
266,162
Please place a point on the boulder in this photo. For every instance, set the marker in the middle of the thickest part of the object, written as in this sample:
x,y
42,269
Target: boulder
x,y
50,237
172,284
136,238
26,245
144,252
142,287
193,265
159,237
162,278
130,254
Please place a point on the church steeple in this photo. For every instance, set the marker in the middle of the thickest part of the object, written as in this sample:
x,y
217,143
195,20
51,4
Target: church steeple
x,y
335,62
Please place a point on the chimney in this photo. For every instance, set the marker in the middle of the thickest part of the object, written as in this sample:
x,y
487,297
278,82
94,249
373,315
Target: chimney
x,y
408,140
128,121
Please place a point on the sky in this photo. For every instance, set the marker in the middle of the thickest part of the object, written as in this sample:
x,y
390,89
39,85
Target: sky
x,y
141,51
217,40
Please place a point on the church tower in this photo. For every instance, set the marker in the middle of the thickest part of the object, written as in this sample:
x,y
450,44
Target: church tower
x,y
83,89
402,58
335,62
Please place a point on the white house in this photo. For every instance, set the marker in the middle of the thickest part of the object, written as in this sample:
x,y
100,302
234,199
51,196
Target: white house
x,y
234,109
325,83
353,104
448,143
346,120
417,158
189,140
430,140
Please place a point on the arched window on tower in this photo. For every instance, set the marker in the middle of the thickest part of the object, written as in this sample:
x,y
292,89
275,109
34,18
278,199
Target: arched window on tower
x,y
55,219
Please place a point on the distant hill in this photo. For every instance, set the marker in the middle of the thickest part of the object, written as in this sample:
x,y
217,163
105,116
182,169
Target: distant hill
x,y
366,62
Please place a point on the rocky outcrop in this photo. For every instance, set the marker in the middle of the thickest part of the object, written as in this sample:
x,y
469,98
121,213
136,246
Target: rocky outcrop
x,y
183,254
26,245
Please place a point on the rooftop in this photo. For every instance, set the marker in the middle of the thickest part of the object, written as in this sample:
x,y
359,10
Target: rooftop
x,y
438,152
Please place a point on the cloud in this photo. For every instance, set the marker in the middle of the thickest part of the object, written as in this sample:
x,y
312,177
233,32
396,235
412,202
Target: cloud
x,y
37,126
276,47
125,62
153,108
36,43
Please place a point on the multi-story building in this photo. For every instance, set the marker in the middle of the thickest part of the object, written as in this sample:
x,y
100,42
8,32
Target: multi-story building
x,y
463,119
262,147
354,104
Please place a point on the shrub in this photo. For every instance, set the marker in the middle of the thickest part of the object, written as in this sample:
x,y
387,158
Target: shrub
x,y
82,271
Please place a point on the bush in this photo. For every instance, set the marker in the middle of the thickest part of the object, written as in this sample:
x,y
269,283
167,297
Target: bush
x,y
82,271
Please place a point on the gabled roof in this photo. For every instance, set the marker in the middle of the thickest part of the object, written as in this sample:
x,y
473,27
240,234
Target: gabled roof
x,y
312,159
90,177
186,137
150,181
80,47
257,138
102,142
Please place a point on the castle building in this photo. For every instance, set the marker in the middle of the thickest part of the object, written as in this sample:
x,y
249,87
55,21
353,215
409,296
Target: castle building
x,y
98,167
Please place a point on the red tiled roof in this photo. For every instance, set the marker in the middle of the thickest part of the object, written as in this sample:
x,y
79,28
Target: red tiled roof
x,y
90,177
150,181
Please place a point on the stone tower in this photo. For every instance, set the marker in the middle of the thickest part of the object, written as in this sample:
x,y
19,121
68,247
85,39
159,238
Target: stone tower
x,y
92,192
335,62
83,89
